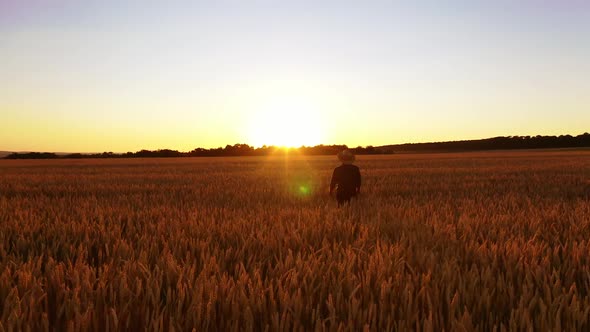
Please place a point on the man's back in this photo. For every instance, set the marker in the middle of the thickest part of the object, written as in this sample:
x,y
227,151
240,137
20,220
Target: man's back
x,y
347,178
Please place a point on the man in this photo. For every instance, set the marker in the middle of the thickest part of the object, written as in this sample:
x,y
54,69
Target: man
x,y
346,179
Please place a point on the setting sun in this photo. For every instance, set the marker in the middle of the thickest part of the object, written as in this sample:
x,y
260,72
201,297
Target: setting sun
x,y
286,122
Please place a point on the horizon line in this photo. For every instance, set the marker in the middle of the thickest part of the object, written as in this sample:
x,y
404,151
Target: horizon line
x,y
284,147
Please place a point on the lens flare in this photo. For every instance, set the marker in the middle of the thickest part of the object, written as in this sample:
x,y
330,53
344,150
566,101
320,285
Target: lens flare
x,y
304,190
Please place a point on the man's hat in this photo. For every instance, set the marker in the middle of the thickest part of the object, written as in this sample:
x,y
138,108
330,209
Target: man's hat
x,y
346,157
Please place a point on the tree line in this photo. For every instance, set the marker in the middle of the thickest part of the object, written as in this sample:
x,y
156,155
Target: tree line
x,y
228,151
496,143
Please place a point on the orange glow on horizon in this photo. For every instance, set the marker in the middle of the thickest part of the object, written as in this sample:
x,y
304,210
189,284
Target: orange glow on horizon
x,y
286,123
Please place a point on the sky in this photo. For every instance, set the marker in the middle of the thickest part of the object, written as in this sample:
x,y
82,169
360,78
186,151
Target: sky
x,y
93,76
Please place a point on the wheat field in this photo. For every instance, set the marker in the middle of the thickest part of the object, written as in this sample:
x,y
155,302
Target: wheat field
x,y
493,241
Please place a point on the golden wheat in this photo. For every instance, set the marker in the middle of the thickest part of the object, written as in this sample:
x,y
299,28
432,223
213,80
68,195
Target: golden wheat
x,y
475,241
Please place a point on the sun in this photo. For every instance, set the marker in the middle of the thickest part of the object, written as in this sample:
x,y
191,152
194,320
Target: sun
x,y
286,123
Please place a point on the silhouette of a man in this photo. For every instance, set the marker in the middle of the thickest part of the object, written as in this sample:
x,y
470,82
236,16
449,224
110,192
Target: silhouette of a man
x,y
346,179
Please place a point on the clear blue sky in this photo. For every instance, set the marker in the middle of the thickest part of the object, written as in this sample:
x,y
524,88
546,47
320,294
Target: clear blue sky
x,y
126,75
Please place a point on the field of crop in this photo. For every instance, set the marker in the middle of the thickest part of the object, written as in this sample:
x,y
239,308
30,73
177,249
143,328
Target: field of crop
x,y
474,241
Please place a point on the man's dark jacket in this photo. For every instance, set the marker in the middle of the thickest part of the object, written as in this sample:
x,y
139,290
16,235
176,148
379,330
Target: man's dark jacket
x,y
347,181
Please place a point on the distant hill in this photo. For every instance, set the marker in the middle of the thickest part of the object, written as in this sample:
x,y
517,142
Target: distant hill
x,y
495,143
5,154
